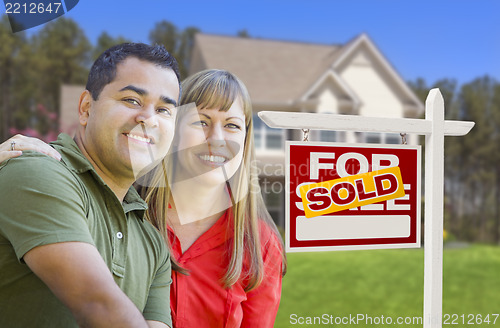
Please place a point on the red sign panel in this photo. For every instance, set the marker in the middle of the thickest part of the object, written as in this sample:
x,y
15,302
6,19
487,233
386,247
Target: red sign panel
x,y
342,196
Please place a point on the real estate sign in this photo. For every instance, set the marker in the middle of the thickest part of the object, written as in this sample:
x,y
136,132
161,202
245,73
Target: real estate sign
x,y
343,196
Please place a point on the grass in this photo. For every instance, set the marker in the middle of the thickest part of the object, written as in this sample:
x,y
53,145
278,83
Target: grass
x,y
388,283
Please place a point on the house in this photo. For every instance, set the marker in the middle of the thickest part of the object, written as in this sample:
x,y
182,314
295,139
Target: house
x,y
354,78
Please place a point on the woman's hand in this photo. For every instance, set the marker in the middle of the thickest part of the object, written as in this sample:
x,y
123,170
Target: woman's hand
x,y
14,146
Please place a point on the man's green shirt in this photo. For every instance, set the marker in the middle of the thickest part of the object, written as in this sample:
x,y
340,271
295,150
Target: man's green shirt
x,y
43,201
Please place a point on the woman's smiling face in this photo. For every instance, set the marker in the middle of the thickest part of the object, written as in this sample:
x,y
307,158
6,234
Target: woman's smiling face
x,y
210,143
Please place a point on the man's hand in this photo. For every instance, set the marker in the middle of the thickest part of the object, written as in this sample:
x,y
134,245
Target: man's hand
x,y
76,273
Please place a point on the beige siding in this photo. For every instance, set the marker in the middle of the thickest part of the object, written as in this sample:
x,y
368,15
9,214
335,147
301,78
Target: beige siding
x,y
68,120
377,96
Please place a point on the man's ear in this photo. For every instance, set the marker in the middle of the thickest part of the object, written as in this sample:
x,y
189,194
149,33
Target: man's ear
x,y
84,107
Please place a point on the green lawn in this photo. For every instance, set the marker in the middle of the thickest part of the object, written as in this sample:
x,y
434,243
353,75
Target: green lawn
x,y
389,283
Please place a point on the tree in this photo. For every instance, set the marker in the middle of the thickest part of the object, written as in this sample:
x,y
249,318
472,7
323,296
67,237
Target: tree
x,y
184,51
472,163
243,33
480,104
447,87
496,140
165,33
420,88
179,44
32,72
63,56
12,54
104,42
472,174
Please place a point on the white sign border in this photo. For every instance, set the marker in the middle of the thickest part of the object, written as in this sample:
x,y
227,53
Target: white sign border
x,y
290,249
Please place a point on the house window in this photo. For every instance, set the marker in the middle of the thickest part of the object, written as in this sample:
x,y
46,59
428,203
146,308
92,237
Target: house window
x,y
329,136
392,138
382,138
371,137
265,137
272,193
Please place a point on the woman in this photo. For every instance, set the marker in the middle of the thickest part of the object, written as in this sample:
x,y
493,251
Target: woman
x,y
205,199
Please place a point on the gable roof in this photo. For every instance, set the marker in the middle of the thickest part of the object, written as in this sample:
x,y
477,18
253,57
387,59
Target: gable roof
x,y
414,105
273,71
284,72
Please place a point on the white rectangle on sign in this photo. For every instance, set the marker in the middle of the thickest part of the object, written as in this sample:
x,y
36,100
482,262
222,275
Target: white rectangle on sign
x,y
353,227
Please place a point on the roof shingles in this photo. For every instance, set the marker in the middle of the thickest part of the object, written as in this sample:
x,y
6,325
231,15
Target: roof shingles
x,y
273,71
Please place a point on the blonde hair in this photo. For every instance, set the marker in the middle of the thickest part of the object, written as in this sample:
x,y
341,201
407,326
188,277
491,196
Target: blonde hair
x,y
219,89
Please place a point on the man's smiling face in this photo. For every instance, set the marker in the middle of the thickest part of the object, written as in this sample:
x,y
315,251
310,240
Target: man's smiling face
x,y
131,124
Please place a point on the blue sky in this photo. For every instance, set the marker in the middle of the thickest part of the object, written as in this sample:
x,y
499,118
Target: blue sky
x,y
421,38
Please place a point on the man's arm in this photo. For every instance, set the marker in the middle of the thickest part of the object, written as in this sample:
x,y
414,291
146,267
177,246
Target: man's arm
x,y
78,276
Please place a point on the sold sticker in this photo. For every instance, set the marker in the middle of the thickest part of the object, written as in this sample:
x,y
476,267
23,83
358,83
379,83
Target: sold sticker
x,y
352,191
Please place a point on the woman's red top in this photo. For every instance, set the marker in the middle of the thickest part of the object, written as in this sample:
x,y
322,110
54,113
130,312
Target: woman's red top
x,y
200,300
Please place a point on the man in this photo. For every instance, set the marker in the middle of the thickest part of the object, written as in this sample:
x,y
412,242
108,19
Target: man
x,y
74,247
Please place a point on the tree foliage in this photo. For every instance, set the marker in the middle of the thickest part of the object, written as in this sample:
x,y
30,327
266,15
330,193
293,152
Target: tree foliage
x,y
178,43
104,42
243,33
32,70
62,57
472,170
13,48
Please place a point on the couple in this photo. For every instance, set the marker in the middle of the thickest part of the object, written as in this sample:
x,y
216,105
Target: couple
x,y
78,246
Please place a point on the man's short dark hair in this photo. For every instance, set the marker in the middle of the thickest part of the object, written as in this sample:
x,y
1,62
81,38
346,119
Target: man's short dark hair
x,y
103,70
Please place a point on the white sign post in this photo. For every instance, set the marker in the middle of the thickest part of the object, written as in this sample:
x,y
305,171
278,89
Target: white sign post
x,y
434,127
433,212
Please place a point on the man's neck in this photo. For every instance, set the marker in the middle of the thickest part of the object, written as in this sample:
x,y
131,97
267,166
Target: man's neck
x,y
119,186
